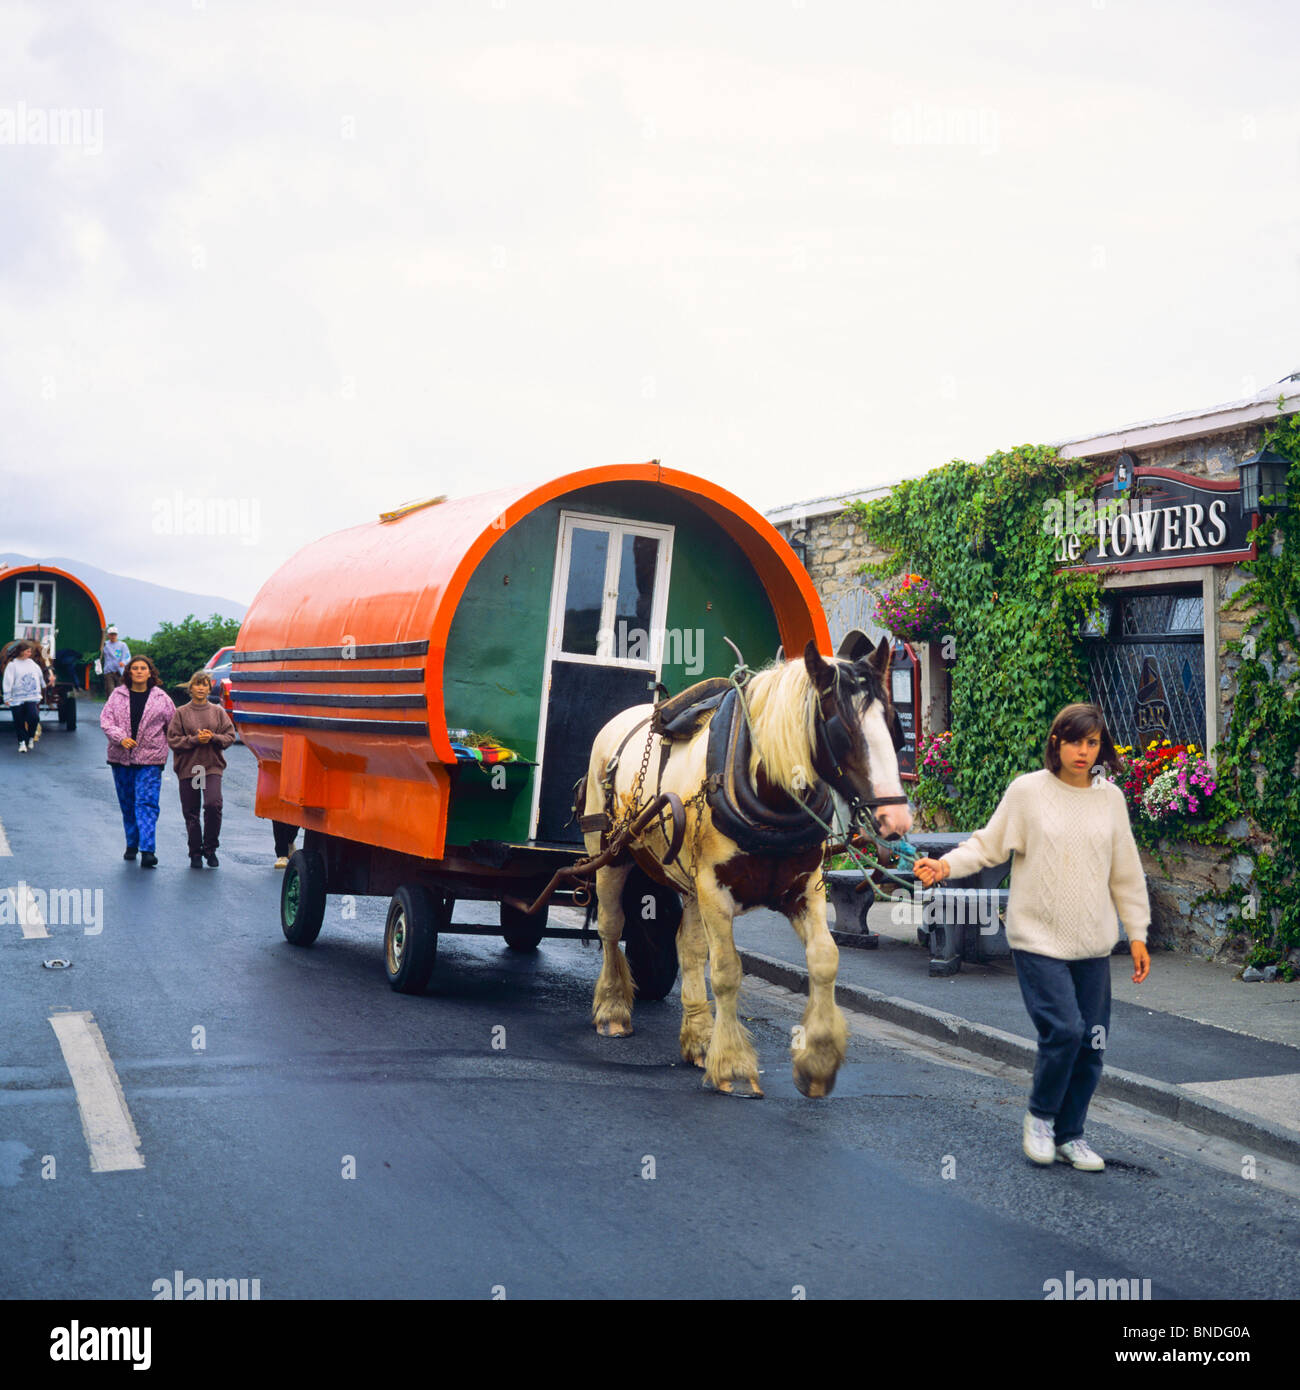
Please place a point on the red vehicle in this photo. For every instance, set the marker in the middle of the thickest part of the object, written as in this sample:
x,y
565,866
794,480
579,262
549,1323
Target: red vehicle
x,y
218,667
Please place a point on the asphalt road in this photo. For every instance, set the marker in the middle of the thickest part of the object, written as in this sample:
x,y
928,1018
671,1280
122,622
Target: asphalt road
x,y
302,1125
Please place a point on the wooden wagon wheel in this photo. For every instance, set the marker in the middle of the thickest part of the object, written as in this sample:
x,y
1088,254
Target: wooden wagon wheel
x,y
650,942
522,931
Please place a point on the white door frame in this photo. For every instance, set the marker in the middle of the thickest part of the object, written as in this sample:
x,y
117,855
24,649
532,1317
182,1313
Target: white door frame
x,y
616,528
51,626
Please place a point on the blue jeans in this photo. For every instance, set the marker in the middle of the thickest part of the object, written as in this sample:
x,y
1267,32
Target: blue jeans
x,y
1069,1003
137,795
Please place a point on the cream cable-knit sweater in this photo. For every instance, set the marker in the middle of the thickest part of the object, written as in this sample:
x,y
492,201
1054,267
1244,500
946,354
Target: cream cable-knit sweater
x,y
1074,864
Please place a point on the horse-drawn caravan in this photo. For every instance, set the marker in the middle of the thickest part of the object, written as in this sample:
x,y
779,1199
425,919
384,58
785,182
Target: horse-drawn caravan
x,y
57,613
423,694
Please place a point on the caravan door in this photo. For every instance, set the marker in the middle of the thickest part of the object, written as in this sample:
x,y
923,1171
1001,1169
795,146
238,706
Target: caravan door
x,y
604,650
34,613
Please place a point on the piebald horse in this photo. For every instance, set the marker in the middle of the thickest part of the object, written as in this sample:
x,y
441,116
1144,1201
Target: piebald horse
x,y
814,722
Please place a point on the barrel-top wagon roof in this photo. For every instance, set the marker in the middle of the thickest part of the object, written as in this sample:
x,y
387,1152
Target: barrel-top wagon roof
x,y
416,566
8,572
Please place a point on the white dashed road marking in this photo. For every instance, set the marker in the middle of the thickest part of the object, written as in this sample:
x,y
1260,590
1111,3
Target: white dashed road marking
x,y
4,842
27,911
109,1129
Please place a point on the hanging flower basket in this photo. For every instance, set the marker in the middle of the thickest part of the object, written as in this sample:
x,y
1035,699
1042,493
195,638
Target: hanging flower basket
x,y
913,612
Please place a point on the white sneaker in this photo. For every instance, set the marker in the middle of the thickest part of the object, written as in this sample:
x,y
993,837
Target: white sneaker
x,y
1078,1152
1039,1140
22,747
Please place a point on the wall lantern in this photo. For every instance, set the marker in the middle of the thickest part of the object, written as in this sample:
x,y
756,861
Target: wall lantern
x,y
1263,482
798,541
1098,624
1125,466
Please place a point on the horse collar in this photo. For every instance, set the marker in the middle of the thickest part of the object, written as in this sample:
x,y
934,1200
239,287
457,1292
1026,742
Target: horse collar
x,y
734,802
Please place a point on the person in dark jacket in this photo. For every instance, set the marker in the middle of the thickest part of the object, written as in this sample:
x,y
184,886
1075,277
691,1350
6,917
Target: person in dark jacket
x,y
285,835
198,734
135,719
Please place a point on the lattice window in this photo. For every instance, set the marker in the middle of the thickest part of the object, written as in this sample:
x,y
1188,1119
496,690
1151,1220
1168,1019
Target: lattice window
x,y
1149,676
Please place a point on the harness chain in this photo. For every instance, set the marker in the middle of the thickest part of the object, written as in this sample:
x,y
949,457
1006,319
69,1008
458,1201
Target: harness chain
x,y
739,678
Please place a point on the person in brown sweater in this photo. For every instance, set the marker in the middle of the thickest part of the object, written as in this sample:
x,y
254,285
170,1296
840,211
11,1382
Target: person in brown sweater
x,y
197,734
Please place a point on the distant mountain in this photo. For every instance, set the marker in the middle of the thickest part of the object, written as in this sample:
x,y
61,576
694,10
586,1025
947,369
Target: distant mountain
x,y
136,607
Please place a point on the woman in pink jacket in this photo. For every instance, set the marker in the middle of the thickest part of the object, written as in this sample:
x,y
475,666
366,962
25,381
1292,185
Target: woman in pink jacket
x,y
135,718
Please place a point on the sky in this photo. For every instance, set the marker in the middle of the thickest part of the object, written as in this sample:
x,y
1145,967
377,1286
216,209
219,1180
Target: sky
x,y
269,269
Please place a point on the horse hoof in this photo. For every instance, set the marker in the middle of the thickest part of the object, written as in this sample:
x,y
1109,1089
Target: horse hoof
x,y
742,1088
615,1030
814,1090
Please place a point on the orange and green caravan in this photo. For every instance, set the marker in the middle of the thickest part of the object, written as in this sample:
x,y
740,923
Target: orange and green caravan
x,y
381,672
40,603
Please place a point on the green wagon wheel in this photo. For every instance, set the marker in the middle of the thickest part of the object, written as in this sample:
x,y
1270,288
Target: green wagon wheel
x,y
302,897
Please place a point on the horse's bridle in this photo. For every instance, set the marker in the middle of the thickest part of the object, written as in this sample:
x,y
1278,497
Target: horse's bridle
x,y
835,741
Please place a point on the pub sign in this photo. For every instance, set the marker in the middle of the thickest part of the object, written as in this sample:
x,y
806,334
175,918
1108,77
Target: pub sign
x,y
1163,520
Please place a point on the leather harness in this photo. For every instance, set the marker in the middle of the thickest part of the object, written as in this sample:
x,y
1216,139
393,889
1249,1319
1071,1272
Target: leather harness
x,y
733,800
737,811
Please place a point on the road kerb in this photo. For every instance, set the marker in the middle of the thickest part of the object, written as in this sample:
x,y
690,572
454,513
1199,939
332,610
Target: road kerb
x,y
1160,1097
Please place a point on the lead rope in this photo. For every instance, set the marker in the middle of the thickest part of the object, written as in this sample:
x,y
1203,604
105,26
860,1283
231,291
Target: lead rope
x,y
906,852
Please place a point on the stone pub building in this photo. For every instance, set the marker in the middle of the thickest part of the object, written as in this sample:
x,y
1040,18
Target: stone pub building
x,y
1171,540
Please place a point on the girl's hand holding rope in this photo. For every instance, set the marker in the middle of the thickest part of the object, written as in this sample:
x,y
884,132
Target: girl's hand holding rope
x,y
931,871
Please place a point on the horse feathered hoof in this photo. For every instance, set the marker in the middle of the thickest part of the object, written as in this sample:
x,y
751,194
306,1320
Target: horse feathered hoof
x,y
695,1049
813,1089
612,1029
740,1087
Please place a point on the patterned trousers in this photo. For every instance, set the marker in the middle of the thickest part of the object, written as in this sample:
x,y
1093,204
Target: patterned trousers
x,y
137,795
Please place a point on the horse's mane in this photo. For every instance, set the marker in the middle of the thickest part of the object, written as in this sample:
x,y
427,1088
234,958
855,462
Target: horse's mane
x,y
782,707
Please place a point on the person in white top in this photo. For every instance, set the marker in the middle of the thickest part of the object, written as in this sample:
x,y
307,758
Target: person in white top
x,y
115,656
1074,863
24,683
